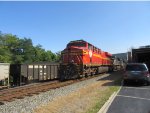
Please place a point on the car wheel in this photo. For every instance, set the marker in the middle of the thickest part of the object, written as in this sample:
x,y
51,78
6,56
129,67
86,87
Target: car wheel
x,y
147,83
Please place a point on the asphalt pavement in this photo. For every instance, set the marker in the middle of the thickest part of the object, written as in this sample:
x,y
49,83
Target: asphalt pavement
x,y
132,98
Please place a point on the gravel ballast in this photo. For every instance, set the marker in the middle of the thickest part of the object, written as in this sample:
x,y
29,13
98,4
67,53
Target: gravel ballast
x,y
28,104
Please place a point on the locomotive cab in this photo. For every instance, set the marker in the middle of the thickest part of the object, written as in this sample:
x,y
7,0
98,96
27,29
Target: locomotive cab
x,y
73,53
72,60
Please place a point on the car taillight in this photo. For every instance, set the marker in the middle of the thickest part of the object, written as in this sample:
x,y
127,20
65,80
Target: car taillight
x,y
146,73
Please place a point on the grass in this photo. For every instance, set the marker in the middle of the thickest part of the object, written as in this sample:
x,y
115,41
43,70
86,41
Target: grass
x,y
88,99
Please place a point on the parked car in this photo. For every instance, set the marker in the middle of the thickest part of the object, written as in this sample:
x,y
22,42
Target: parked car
x,y
137,72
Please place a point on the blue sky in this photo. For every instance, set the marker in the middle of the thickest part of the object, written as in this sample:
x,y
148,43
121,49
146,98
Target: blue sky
x,y
111,26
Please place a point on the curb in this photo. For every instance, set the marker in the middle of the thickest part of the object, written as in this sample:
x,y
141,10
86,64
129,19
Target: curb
x,y
109,101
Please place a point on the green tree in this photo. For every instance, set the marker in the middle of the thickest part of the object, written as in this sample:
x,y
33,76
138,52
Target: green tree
x,y
58,56
5,52
38,51
12,45
21,50
27,49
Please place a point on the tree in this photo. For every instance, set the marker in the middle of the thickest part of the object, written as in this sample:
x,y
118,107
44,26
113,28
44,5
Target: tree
x,y
58,56
27,50
16,50
5,53
38,51
12,45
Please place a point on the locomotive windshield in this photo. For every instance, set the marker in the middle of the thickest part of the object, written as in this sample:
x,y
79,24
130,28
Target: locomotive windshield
x,y
78,44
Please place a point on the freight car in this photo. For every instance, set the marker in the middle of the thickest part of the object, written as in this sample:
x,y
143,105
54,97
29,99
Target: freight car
x,y
81,58
21,74
4,74
118,63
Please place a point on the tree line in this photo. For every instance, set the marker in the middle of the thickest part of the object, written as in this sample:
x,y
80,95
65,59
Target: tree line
x,y
21,50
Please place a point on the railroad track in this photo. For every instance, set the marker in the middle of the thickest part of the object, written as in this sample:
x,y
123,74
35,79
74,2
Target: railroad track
x,y
8,95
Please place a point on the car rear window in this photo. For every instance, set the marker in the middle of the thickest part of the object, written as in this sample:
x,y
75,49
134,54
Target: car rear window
x,y
136,68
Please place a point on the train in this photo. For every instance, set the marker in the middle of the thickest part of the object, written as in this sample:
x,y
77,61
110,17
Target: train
x,y
79,59
82,59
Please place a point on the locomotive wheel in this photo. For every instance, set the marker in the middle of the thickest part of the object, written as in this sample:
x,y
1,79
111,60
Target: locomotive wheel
x,y
71,72
86,75
62,73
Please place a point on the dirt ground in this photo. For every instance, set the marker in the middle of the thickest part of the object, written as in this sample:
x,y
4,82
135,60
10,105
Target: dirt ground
x,y
82,100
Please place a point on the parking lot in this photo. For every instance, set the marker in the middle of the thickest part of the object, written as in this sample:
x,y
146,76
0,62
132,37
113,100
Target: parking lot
x,y
132,98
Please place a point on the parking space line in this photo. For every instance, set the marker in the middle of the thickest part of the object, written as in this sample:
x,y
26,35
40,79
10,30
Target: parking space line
x,y
133,97
136,88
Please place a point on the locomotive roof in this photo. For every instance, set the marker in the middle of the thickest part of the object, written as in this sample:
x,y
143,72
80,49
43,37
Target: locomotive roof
x,y
77,41
82,41
85,42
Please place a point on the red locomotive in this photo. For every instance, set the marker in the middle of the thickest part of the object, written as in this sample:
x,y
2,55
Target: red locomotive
x,y
81,58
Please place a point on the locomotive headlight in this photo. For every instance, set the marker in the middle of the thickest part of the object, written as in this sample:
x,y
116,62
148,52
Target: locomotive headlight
x,y
72,61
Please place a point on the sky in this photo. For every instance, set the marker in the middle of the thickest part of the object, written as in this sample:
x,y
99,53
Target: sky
x,y
114,27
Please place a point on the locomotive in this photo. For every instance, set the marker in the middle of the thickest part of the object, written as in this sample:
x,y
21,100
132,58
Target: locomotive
x,y
82,59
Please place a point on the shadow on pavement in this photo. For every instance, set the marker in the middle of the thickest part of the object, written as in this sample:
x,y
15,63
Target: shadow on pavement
x,y
114,79
134,84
